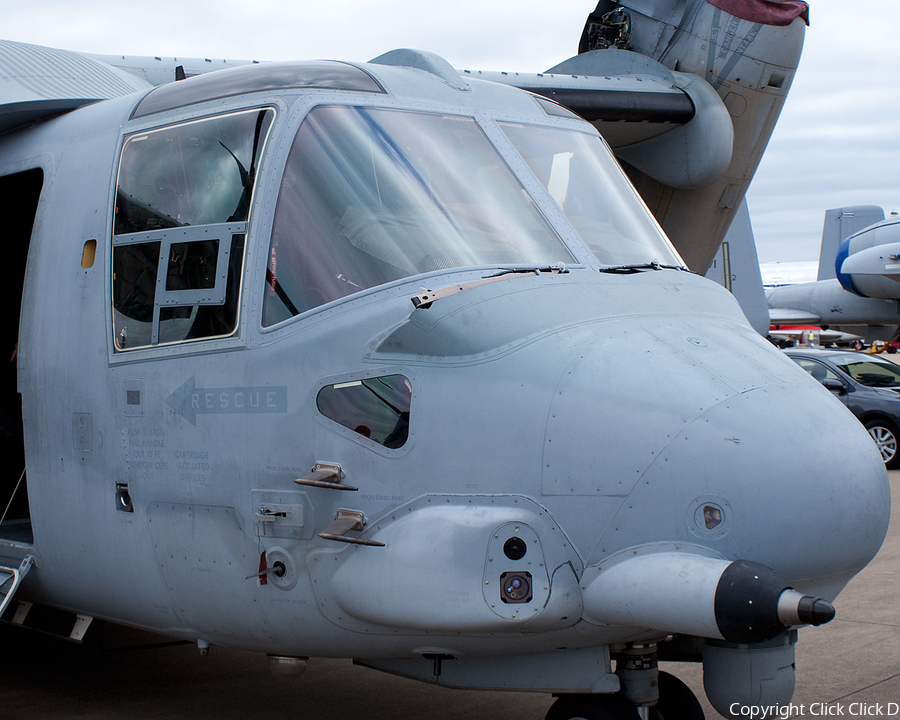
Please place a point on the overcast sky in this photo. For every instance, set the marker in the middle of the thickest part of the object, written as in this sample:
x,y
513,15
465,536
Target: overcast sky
x,y
837,143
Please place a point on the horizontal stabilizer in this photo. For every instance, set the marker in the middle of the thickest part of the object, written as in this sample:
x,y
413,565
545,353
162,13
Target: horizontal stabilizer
x,y
789,316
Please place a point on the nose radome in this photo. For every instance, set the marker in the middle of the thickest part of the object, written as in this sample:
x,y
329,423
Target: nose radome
x,y
628,395
790,478
714,438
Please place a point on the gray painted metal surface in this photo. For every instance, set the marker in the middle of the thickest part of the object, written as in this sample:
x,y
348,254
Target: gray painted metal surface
x,y
429,409
38,82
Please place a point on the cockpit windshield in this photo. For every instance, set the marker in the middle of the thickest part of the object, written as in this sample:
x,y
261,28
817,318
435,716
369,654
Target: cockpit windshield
x,y
375,195
583,178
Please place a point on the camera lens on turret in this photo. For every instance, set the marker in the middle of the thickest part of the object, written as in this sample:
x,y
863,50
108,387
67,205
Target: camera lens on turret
x,y
515,548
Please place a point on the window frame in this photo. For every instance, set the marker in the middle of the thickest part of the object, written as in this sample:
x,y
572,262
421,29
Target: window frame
x,y
227,234
806,364
411,377
485,121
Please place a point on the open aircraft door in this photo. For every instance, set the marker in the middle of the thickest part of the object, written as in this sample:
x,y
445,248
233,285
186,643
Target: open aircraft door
x,y
10,579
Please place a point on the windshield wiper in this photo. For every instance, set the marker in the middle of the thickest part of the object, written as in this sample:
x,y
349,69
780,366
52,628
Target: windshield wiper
x,y
637,267
559,268
424,299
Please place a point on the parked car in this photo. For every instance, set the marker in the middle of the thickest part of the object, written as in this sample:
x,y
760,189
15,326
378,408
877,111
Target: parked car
x,y
868,385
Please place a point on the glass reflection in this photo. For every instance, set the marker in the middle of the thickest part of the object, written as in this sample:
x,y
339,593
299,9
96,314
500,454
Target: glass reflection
x,y
373,195
199,177
585,181
376,408
196,173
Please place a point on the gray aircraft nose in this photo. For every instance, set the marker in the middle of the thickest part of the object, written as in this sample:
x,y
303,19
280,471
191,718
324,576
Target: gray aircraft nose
x,y
705,437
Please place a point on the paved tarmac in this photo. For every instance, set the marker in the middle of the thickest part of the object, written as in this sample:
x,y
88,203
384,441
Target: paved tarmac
x,y
848,668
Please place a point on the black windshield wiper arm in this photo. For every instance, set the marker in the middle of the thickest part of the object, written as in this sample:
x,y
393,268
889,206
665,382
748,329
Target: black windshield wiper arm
x,y
653,265
559,268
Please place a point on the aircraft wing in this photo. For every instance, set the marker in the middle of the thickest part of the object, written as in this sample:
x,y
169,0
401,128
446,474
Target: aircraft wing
x,y
38,82
161,70
671,126
611,87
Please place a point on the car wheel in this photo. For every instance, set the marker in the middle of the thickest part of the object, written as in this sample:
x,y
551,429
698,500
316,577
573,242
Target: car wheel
x,y
885,435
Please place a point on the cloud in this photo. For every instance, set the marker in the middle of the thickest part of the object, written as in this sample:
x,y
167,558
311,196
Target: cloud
x,y
524,35
837,142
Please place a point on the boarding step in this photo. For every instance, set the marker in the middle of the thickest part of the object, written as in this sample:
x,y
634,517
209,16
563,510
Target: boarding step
x,y
10,578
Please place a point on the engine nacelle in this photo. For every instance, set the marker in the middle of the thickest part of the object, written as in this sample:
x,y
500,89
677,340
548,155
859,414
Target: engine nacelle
x,y
868,262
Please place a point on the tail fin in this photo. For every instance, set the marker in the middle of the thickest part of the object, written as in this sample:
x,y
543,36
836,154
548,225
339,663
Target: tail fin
x,y
736,267
841,223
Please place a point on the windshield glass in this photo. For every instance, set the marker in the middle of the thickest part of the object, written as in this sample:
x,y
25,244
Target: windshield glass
x,y
872,372
583,178
374,195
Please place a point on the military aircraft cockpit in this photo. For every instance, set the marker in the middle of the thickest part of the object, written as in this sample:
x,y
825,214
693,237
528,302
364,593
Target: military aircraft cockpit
x,y
369,195
391,362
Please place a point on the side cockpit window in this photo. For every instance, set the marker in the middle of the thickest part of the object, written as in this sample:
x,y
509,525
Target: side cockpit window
x,y
377,407
182,207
